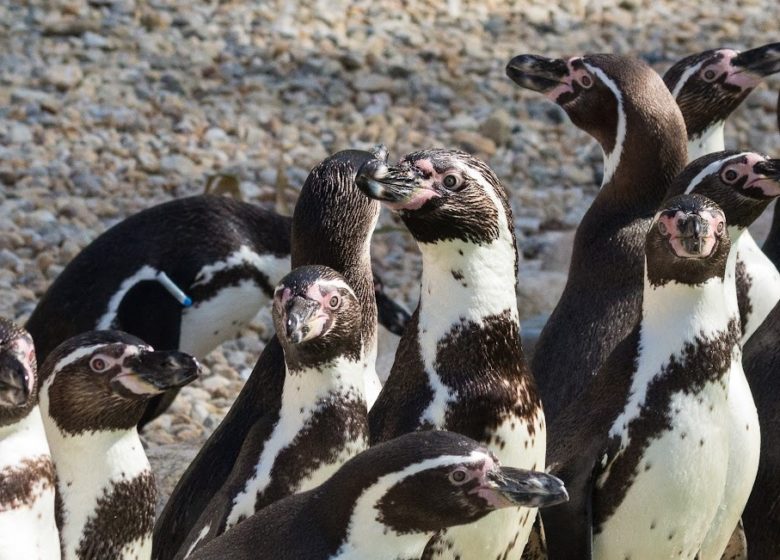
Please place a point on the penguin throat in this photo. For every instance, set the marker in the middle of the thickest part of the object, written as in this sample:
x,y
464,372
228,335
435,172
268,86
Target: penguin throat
x,y
707,141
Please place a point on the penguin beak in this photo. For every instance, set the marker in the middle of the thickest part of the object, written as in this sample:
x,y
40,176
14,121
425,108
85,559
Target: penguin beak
x,y
519,487
15,384
537,73
762,61
150,373
302,321
766,179
692,235
399,187
390,314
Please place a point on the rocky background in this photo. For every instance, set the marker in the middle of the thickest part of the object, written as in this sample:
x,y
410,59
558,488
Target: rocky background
x,y
110,106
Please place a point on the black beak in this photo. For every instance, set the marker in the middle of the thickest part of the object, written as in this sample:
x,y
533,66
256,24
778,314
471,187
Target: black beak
x,y
14,381
770,168
537,73
529,488
395,184
391,315
298,314
152,373
693,231
763,60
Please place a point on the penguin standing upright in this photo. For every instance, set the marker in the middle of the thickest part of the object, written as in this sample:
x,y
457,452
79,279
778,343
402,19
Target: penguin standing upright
x,y
27,525
332,226
386,503
460,364
322,421
644,450
708,87
625,105
94,389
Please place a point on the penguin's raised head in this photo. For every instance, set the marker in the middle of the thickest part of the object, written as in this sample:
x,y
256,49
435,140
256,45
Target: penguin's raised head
x,y
101,380
741,183
317,317
17,373
688,242
709,85
441,195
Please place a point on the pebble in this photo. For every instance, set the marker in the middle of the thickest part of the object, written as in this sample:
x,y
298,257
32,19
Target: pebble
x,y
64,76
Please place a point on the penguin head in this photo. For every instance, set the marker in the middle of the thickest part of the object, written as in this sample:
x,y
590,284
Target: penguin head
x,y
17,373
441,195
688,242
424,482
317,317
709,85
599,91
741,183
101,380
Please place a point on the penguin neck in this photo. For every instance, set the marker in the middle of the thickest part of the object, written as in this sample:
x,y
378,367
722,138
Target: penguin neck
x,y
710,140
307,386
23,439
648,153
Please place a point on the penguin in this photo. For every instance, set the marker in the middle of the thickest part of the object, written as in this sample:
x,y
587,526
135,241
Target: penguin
x,y
623,104
94,388
742,184
332,226
460,363
644,450
323,419
771,246
708,86
27,525
386,503
185,275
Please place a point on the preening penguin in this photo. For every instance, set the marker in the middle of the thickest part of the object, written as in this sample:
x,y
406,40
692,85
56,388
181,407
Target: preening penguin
x,y
27,525
322,419
94,389
460,365
623,104
386,503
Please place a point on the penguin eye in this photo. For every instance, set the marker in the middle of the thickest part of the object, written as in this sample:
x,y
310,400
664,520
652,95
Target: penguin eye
x,y
730,175
451,181
662,228
719,228
97,364
586,81
459,476
709,74
334,302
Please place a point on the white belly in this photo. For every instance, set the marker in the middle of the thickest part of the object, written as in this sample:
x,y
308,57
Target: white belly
x,y
139,549
669,507
505,531
745,443
207,324
764,291
30,532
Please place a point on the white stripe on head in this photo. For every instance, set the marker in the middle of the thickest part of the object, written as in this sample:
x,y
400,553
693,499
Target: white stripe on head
x,y
690,71
709,170
612,159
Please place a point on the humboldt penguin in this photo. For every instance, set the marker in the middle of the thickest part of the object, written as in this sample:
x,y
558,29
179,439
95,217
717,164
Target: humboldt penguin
x,y
27,525
386,503
94,389
772,243
623,104
708,86
644,451
184,275
460,364
332,226
322,421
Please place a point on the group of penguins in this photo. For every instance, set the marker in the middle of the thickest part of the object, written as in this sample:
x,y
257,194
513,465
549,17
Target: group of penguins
x,y
647,425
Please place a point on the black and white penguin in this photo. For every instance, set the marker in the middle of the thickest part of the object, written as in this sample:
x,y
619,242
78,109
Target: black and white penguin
x,y
623,104
187,274
708,87
27,525
386,503
644,450
460,364
323,419
771,246
94,389
332,226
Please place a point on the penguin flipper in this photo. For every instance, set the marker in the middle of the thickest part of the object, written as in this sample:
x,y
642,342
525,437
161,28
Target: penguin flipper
x,y
216,459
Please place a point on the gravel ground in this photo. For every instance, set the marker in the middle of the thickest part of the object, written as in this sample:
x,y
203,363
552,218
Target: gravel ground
x,y
108,107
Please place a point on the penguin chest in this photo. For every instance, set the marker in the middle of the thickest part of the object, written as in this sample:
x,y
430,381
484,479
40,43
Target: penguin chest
x,y
758,284
209,322
666,487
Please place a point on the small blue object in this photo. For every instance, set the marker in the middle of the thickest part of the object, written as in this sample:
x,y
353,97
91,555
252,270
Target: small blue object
x,y
173,289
